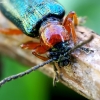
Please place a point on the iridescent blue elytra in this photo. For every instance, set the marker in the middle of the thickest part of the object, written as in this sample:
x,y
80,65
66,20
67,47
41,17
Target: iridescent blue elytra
x,y
29,14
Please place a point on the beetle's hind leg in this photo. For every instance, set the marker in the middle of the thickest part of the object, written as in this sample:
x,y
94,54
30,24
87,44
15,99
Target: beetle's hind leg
x,y
10,31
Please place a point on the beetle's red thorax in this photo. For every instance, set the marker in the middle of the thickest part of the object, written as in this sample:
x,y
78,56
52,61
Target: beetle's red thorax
x,y
52,33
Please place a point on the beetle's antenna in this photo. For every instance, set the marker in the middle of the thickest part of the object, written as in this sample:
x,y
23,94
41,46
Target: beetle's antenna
x,y
24,73
81,44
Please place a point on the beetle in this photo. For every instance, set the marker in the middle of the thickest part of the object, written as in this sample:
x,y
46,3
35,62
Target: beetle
x,y
44,19
40,18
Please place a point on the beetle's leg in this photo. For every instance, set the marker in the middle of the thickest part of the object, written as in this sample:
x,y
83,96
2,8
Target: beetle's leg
x,y
30,45
69,25
9,31
86,50
72,15
40,50
39,56
56,75
36,48
70,28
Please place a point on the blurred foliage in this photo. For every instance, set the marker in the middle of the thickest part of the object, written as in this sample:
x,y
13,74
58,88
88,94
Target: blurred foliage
x,y
37,86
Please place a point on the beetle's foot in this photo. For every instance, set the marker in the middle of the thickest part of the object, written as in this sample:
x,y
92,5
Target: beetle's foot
x,y
82,20
86,50
56,78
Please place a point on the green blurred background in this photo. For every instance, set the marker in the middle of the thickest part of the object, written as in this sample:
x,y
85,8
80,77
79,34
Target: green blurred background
x,y
37,86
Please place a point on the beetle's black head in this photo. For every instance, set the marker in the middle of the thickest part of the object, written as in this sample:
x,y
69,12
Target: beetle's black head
x,y
60,52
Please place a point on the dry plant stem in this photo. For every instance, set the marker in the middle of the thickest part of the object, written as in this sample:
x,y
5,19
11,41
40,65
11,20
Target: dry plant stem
x,y
83,75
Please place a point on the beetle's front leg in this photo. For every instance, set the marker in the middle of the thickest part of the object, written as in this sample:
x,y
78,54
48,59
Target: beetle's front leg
x,y
39,56
69,24
56,75
73,16
36,48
